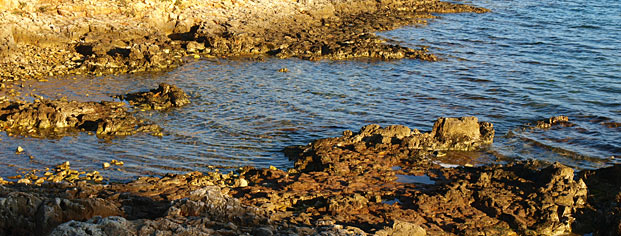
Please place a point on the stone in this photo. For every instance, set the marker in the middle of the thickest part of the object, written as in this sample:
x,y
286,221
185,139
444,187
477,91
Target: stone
x,y
194,46
463,133
243,183
53,118
39,39
262,231
97,226
164,97
402,228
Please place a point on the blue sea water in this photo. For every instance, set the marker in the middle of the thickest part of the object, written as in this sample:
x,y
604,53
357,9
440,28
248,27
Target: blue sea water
x,y
523,61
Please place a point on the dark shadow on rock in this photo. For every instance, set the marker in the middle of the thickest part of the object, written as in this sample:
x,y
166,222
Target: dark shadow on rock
x,y
603,214
187,36
139,207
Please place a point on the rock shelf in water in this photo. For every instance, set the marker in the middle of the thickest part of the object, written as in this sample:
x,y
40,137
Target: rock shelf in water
x,y
56,118
346,185
163,97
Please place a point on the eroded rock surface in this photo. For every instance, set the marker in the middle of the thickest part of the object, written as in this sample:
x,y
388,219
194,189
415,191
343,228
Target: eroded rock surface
x,y
40,39
398,143
562,121
164,97
51,118
365,183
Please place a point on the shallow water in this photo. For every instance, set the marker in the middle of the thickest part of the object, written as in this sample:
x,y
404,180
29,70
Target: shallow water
x,y
523,62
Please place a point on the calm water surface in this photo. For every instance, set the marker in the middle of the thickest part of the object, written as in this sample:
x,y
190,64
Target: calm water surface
x,y
524,61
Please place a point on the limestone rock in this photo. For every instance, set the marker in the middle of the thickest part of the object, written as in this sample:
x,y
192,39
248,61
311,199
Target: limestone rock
x,y
97,226
57,117
164,97
464,133
402,228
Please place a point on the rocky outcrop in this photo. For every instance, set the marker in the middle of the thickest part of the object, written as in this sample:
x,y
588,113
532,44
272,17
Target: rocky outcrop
x,y
27,214
164,97
40,39
370,182
463,134
56,118
53,118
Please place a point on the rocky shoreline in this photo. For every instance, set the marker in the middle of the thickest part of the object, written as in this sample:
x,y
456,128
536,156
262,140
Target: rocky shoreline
x,y
40,39
46,118
377,181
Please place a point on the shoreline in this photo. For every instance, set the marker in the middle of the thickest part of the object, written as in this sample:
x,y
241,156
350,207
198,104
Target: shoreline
x,y
376,181
45,39
380,181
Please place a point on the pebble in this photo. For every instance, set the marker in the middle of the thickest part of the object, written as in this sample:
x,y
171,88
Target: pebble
x,y
243,183
19,150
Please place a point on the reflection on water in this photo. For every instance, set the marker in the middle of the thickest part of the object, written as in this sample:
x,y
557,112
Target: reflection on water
x,y
520,63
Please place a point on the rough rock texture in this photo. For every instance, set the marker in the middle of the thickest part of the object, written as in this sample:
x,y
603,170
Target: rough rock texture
x,y
113,225
371,182
463,134
561,120
27,214
164,97
55,118
50,38
52,118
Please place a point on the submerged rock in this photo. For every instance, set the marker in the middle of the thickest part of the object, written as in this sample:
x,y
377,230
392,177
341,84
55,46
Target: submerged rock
x,y
562,121
164,97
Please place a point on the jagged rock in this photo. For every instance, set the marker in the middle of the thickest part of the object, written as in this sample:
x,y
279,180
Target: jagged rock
x,y
463,134
603,217
40,39
27,214
354,180
57,117
164,97
402,228
97,226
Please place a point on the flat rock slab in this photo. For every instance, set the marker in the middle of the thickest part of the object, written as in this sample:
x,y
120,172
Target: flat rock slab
x,y
56,118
